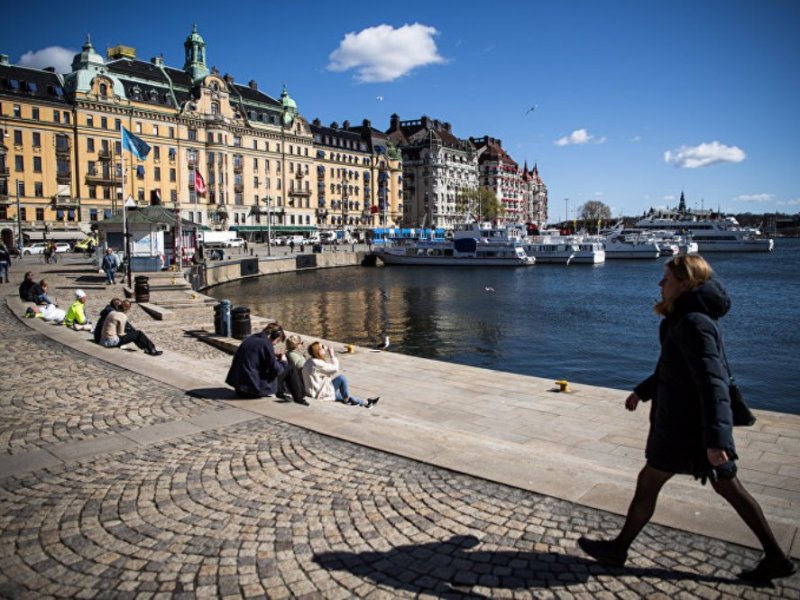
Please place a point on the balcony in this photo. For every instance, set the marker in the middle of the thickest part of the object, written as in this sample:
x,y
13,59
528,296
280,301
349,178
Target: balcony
x,y
238,188
237,168
63,177
104,155
62,149
61,201
98,178
3,171
300,193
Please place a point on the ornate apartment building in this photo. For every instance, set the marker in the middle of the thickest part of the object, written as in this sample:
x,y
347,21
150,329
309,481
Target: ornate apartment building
x,y
521,191
437,166
223,153
359,176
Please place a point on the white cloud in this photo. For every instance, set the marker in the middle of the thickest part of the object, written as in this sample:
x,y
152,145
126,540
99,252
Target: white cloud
x,y
636,138
754,197
794,202
579,137
52,56
668,198
689,157
384,53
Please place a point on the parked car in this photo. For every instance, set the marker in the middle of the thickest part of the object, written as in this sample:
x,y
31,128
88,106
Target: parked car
x,y
235,243
37,248
86,245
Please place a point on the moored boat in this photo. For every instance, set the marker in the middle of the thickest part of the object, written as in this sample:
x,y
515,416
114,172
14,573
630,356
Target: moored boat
x,y
711,234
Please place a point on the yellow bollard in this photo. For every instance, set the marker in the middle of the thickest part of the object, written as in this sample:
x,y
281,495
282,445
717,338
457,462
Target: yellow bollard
x,y
563,385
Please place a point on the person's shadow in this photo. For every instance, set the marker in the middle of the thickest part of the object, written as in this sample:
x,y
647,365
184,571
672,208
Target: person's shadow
x,y
451,569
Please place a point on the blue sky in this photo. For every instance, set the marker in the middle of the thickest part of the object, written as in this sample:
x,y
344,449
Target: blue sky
x,y
635,100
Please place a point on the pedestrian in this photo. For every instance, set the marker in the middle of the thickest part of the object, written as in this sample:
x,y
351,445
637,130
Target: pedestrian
x,y
5,263
256,369
691,423
291,246
116,333
76,314
110,266
323,381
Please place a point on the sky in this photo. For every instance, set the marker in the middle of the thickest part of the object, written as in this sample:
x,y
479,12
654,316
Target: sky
x,y
629,102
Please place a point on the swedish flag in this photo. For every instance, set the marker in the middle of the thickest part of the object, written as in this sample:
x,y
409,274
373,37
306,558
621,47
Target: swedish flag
x,y
138,147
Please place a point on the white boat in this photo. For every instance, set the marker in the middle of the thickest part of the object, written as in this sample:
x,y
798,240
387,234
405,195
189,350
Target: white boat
x,y
589,252
618,244
471,245
550,250
720,234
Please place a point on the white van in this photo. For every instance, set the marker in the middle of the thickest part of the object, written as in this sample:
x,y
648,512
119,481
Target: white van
x,y
234,243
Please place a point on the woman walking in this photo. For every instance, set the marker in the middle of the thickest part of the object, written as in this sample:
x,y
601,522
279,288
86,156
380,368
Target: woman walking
x,y
691,425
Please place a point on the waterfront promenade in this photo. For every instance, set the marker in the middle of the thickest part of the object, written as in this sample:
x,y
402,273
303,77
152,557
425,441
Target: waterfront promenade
x,y
146,477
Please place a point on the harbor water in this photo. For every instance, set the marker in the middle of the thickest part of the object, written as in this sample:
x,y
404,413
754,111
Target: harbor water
x,y
585,324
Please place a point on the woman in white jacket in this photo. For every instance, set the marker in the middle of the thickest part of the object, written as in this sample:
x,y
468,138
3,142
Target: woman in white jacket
x,y
322,382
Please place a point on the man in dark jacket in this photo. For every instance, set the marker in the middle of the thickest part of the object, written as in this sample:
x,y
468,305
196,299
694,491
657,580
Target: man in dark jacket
x,y
27,287
256,370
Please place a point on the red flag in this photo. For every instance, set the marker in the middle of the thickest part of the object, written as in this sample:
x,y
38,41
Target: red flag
x,y
199,183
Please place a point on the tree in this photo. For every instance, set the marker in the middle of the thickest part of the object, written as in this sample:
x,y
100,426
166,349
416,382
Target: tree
x,y
593,212
480,204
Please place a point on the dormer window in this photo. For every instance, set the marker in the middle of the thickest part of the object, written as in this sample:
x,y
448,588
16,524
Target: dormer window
x,y
215,108
136,92
103,90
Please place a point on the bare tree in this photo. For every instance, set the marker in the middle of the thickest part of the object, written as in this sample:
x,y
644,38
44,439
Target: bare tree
x,y
593,212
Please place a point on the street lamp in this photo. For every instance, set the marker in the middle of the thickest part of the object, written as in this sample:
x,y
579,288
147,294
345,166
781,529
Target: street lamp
x,y
269,225
19,223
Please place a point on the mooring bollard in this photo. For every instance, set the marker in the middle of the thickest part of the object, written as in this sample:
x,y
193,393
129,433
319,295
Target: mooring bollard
x,y
222,318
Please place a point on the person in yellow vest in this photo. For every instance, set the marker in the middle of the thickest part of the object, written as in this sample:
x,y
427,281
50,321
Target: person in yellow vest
x,y
76,314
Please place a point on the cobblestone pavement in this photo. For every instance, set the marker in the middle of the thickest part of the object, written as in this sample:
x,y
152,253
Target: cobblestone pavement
x,y
265,509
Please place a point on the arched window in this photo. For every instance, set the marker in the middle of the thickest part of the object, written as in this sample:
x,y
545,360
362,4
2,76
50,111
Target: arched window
x,y
103,90
215,108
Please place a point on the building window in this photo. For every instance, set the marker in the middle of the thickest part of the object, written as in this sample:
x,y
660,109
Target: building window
x,y
192,135
19,164
89,120
118,124
38,189
140,194
155,130
35,113
157,173
93,214
37,164
171,132
18,111
138,127
173,194
39,214
90,144
156,152
104,122
172,176
37,139
66,117
18,137
92,191
103,90
215,108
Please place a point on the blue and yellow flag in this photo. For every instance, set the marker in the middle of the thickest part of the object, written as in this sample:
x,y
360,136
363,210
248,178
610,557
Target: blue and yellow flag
x,y
138,147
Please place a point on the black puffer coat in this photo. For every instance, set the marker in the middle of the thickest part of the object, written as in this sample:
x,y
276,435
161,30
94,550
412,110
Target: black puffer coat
x,y
691,406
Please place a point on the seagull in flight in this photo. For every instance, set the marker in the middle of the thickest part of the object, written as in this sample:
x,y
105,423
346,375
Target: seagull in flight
x,y
531,109
489,288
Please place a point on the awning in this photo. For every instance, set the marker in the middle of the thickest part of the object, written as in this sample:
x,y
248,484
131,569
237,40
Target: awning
x,y
274,228
65,236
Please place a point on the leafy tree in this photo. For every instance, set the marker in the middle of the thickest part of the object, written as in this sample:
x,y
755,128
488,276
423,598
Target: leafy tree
x,y
480,204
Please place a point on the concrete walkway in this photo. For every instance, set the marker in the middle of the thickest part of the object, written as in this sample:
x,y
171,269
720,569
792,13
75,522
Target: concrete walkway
x,y
580,446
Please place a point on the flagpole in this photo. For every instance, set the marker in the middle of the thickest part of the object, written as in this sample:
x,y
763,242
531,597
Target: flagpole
x,y
125,236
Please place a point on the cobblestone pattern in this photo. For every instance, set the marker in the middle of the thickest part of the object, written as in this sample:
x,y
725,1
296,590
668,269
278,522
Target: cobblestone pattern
x,y
264,509
52,394
267,509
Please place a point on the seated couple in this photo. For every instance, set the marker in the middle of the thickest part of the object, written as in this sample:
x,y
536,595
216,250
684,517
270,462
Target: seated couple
x,y
257,371
114,331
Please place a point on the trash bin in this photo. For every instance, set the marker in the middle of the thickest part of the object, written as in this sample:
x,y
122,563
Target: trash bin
x,y
222,318
240,322
141,289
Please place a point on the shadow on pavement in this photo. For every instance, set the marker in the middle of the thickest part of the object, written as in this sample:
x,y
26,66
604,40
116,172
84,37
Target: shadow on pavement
x,y
449,568
214,393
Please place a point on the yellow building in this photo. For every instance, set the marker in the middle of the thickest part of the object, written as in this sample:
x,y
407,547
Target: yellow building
x,y
224,154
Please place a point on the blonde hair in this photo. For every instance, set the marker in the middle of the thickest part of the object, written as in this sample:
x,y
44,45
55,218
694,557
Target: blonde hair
x,y
690,269
293,342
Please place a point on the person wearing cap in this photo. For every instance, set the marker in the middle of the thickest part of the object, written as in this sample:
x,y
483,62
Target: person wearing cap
x,y
76,314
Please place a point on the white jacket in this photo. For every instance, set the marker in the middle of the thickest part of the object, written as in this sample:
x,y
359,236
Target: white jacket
x,y
317,377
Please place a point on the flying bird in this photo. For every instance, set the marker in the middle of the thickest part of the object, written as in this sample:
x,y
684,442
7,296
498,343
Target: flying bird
x,y
531,109
379,98
489,288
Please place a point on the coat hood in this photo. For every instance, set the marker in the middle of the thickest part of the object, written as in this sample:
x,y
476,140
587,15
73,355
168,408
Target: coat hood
x,y
709,298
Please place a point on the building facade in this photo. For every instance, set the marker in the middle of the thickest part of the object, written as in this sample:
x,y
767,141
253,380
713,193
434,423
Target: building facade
x,y
437,167
535,202
498,172
223,154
